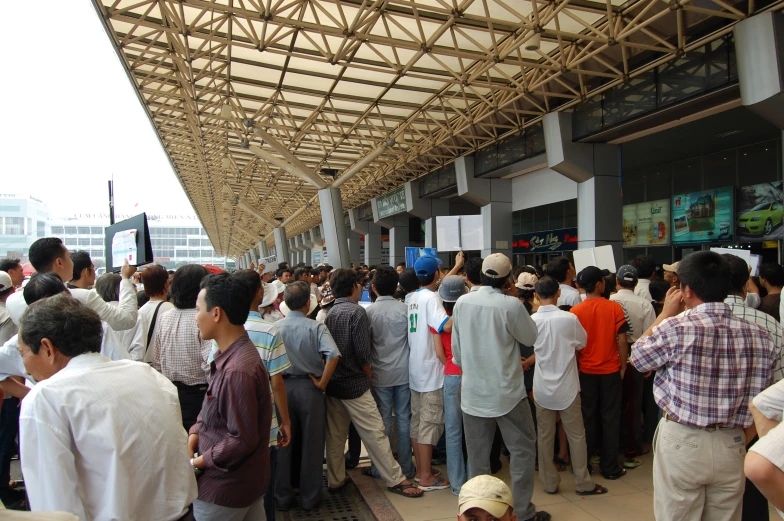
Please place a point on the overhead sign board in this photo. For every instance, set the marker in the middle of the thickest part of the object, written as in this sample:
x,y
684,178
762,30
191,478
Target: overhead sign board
x,y
392,203
552,240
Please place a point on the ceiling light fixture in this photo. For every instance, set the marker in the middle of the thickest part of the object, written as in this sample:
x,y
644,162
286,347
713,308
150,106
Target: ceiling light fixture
x,y
226,111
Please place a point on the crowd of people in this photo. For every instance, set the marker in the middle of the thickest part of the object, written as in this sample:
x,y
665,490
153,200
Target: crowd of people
x,y
187,395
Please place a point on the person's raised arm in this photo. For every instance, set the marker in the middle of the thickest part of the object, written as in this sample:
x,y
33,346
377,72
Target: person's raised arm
x,y
459,262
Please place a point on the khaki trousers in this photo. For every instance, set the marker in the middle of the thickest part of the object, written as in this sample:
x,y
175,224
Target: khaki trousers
x,y
697,474
572,421
363,412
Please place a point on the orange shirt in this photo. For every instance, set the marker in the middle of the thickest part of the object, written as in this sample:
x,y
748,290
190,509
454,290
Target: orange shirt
x,y
603,320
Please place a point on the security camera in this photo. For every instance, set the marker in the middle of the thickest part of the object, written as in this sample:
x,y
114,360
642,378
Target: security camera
x,y
534,43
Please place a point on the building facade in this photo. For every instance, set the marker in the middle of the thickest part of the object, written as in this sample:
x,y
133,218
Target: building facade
x,y
23,219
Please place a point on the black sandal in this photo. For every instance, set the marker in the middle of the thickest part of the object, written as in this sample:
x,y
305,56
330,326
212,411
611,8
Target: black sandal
x,y
613,477
541,516
598,490
400,490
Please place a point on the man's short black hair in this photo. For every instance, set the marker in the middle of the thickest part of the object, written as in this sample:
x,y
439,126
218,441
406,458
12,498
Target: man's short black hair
x,y
141,298
645,265
739,272
493,282
706,273
769,271
185,286
559,269
44,252
426,280
408,280
280,272
230,293
72,327
473,270
42,285
108,287
9,264
297,295
81,260
401,265
658,289
546,287
385,279
251,278
610,285
342,282
299,272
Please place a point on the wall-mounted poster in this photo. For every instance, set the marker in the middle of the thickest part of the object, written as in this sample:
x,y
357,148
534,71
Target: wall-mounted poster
x,y
760,212
705,216
647,224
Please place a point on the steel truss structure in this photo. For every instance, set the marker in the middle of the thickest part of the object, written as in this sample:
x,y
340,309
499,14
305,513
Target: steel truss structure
x,y
259,103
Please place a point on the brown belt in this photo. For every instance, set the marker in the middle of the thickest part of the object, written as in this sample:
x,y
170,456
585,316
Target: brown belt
x,y
709,428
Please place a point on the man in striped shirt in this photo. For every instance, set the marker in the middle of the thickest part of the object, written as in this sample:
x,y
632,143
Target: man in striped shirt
x,y
709,364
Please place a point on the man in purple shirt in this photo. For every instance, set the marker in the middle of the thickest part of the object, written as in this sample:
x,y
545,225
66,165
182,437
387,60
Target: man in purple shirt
x,y
229,442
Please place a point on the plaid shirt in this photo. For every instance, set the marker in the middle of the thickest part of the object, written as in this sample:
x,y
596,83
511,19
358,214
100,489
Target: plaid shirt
x,y
773,327
179,352
349,326
709,364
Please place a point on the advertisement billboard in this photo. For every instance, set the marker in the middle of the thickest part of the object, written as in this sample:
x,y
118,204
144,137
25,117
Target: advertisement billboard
x,y
760,212
705,216
552,240
647,224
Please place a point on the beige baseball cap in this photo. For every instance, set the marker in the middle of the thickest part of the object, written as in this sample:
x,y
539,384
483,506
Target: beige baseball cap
x,y
672,268
526,281
496,266
486,493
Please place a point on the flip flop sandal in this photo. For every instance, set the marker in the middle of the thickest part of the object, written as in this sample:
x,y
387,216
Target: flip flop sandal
x,y
438,485
598,490
400,490
436,473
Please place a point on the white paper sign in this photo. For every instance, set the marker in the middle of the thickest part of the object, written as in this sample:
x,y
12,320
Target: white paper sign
x,y
448,233
602,257
270,264
471,232
756,260
124,248
743,254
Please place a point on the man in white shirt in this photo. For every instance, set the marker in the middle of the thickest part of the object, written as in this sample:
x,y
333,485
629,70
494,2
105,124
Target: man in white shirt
x,y
87,445
764,464
426,371
562,270
641,314
50,255
557,389
156,285
9,414
489,327
646,270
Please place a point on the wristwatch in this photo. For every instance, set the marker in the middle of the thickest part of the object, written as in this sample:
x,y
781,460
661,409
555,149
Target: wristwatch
x,y
196,471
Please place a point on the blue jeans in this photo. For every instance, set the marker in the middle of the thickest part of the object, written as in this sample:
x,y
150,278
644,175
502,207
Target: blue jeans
x,y
453,428
398,397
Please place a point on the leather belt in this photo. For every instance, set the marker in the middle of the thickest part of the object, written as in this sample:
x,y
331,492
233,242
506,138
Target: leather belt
x,y
709,428
296,377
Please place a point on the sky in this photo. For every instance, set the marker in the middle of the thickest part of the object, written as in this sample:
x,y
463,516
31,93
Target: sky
x,y
72,120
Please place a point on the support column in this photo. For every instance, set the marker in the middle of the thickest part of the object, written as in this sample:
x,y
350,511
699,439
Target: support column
x,y
398,239
281,244
760,59
372,234
333,227
263,249
494,196
425,209
353,243
307,248
596,169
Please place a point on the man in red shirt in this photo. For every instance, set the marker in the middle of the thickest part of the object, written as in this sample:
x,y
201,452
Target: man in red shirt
x,y
602,364
231,435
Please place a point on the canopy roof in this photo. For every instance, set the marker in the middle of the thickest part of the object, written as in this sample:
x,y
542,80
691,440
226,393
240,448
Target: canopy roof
x,y
332,80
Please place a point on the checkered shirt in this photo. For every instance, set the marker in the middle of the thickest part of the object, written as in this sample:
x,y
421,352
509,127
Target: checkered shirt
x,y
179,352
709,364
349,326
773,327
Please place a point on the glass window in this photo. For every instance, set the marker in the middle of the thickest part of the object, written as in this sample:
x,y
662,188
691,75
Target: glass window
x,y
758,163
516,229
96,254
57,230
70,241
84,230
556,215
70,230
634,188
29,226
570,213
541,219
40,228
14,225
527,220
96,242
181,253
686,176
96,230
84,241
193,254
658,183
206,253
631,253
719,170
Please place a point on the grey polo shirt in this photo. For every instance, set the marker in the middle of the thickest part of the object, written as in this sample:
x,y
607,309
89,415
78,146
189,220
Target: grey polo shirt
x,y
306,341
488,328
389,334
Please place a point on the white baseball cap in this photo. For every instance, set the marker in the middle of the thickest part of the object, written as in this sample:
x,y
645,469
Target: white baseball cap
x,y
486,493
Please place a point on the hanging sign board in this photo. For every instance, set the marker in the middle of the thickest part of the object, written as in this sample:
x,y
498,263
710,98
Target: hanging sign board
x,y
392,203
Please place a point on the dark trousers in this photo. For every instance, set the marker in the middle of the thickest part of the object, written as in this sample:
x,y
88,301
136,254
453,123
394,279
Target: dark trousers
x,y
191,400
9,428
269,497
631,415
354,447
755,505
308,413
601,405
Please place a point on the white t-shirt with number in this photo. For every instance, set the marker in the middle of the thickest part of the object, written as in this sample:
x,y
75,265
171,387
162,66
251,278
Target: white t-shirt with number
x,y
425,310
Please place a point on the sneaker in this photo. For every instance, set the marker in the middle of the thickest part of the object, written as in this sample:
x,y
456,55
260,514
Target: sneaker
x,y
595,460
632,463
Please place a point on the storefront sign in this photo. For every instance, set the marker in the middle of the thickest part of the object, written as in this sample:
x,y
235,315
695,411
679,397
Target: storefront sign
x,y
760,212
553,240
647,224
703,216
392,203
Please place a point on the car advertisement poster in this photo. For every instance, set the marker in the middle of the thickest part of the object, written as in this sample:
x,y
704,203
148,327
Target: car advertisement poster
x,y
760,212
647,224
705,216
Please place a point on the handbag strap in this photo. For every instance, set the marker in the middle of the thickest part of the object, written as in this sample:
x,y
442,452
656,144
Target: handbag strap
x,y
152,326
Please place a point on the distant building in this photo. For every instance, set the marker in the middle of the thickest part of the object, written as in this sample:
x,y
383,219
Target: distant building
x,y
23,219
